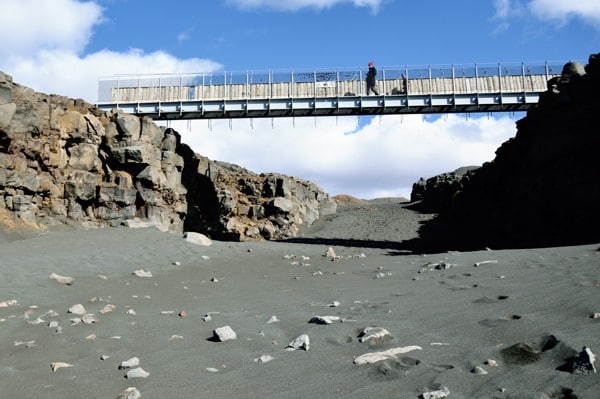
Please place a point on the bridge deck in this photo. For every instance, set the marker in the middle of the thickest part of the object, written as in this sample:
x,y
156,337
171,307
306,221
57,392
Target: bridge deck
x,y
440,90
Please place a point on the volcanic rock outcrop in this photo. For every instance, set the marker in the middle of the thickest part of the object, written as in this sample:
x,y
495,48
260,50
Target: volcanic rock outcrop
x,y
542,189
64,162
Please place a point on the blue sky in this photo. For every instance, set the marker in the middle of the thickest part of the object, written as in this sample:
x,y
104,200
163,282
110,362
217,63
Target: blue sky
x,y
64,46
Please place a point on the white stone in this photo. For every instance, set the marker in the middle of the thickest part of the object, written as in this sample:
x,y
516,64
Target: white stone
x,y
77,309
301,342
133,362
225,333
130,393
137,373
59,365
62,279
324,319
88,319
373,333
483,262
11,302
331,253
198,239
334,304
142,273
440,394
107,309
263,359
273,319
479,370
370,358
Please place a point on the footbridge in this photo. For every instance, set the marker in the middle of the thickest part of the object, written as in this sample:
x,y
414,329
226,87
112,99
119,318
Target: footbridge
x,y
407,90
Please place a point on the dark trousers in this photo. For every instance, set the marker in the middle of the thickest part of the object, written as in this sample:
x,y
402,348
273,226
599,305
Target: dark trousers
x,y
371,87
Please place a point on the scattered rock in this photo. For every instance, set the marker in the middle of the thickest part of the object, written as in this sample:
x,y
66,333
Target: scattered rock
x,y
197,238
130,393
183,314
370,358
582,363
273,319
263,359
142,273
107,309
377,334
483,262
439,394
62,279
301,342
323,319
59,365
334,304
479,370
77,309
5,304
133,362
137,373
223,334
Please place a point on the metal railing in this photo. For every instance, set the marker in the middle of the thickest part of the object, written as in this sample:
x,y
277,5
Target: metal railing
x,y
407,80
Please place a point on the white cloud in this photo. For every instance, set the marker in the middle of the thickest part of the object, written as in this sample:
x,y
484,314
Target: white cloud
x,y
57,25
67,74
384,158
42,42
549,10
562,10
294,5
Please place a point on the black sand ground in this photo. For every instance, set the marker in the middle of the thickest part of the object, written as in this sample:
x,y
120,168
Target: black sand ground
x,y
460,316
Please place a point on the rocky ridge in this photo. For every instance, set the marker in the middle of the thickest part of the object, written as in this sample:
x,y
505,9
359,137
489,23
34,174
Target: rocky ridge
x,y
63,162
542,187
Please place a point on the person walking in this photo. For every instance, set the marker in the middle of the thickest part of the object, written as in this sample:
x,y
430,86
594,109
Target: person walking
x,y
371,79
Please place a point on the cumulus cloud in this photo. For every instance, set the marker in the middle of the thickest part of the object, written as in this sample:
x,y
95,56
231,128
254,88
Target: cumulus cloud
x,y
549,10
48,55
562,10
384,158
58,25
294,5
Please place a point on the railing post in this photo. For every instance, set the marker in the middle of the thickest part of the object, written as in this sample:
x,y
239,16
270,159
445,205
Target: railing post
x,y
523,75
247,87
291,90
430,78
383,81
476,80
453,82
500,78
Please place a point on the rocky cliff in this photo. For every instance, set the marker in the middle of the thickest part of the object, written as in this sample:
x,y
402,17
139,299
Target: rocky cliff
x,y
542,188
63,162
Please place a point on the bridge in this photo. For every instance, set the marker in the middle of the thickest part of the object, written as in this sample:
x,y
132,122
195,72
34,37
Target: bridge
x,y
409,90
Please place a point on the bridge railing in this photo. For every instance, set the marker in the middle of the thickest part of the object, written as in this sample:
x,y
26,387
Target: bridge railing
x,y
411,80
